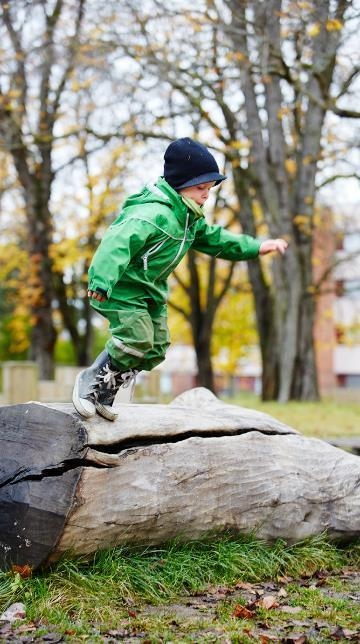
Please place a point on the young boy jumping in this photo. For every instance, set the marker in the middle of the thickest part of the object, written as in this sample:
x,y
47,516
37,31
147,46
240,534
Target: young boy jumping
x,y
129,271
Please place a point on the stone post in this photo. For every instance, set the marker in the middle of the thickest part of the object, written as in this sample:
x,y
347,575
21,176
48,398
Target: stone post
x,y
20,381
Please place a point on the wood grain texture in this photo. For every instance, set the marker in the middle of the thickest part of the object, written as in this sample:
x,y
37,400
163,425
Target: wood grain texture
x,y
278,486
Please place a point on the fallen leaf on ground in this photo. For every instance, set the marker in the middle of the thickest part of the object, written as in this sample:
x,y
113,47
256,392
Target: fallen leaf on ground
x,y
242,612
245,586
296,638
23,571
269,601
132,613
268,638
24,628
344,633
347,572
282,593
292,610
14,612
248,632
117,633
284,579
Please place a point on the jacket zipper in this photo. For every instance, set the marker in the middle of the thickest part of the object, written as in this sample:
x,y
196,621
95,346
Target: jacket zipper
x,y
179,251
151,251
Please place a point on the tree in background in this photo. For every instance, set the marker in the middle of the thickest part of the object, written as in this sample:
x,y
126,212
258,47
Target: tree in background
x,y
265,81
215,315
32,86
55,86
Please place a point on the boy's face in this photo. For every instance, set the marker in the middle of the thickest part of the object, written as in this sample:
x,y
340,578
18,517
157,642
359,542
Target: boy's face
x,y
198,193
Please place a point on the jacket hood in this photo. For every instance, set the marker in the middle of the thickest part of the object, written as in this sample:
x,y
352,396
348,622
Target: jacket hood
x,y
158,192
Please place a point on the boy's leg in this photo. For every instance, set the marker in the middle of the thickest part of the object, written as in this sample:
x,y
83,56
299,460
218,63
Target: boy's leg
x,y
161,342
132,337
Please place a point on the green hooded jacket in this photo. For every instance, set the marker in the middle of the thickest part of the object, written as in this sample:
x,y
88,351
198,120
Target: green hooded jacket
x,y
148,240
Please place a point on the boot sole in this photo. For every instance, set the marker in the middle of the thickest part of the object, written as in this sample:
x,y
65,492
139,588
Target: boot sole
x,y
105,413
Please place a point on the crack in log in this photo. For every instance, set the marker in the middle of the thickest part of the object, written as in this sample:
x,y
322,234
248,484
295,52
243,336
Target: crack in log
x,y
148,441
50,471
121,446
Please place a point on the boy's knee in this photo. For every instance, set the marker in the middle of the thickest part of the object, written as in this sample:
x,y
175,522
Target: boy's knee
x,y
131,333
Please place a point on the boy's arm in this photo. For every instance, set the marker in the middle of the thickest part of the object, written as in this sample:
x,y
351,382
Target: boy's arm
x,y
120,243
215,240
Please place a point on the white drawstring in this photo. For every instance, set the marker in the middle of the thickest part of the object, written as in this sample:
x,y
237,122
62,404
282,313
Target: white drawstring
x,y
128,378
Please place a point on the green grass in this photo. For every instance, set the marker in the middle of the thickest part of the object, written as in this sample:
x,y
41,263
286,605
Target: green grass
x,y
328,418
101,591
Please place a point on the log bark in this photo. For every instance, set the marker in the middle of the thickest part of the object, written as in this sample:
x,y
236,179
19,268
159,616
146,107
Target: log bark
x,y
164,471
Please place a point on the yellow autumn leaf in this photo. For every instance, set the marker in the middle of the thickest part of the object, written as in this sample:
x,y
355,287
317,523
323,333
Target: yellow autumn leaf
x,y
314,29
257,211
283,111
334,24
285,32
308,159
235,55
244,144
301,220
290,165
14,93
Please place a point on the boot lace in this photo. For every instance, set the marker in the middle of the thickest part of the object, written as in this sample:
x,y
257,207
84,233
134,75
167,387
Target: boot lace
x,y
109,382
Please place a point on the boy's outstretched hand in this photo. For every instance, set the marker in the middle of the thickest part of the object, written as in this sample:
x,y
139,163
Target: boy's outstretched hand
x,y
96,296
271,245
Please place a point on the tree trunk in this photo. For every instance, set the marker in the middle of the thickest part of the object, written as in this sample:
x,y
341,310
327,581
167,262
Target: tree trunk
x,y
72,486
263,299
81,342
305,382
41,291
201,320
205,375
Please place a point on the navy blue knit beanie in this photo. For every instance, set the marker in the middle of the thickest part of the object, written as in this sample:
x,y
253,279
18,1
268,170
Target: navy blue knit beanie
x,y
188,163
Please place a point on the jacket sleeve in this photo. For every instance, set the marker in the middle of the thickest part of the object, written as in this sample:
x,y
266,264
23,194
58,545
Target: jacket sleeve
x,y
120,243
215,240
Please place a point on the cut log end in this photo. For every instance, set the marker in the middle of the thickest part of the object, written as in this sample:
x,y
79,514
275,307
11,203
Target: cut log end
x,y
42,455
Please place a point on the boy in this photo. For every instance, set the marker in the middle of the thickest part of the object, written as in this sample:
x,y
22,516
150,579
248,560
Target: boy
x,y
129,271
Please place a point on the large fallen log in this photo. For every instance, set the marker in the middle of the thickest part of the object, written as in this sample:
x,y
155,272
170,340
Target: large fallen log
x,y
162,471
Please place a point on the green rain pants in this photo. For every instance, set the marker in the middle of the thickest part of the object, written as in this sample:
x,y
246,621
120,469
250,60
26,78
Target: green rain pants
x,y
139,332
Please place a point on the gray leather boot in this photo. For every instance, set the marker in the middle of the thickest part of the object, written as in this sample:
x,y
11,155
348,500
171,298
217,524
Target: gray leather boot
x,y
96,387
83,397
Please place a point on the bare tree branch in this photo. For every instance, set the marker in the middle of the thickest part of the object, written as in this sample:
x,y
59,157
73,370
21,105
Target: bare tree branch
x,y
335,177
